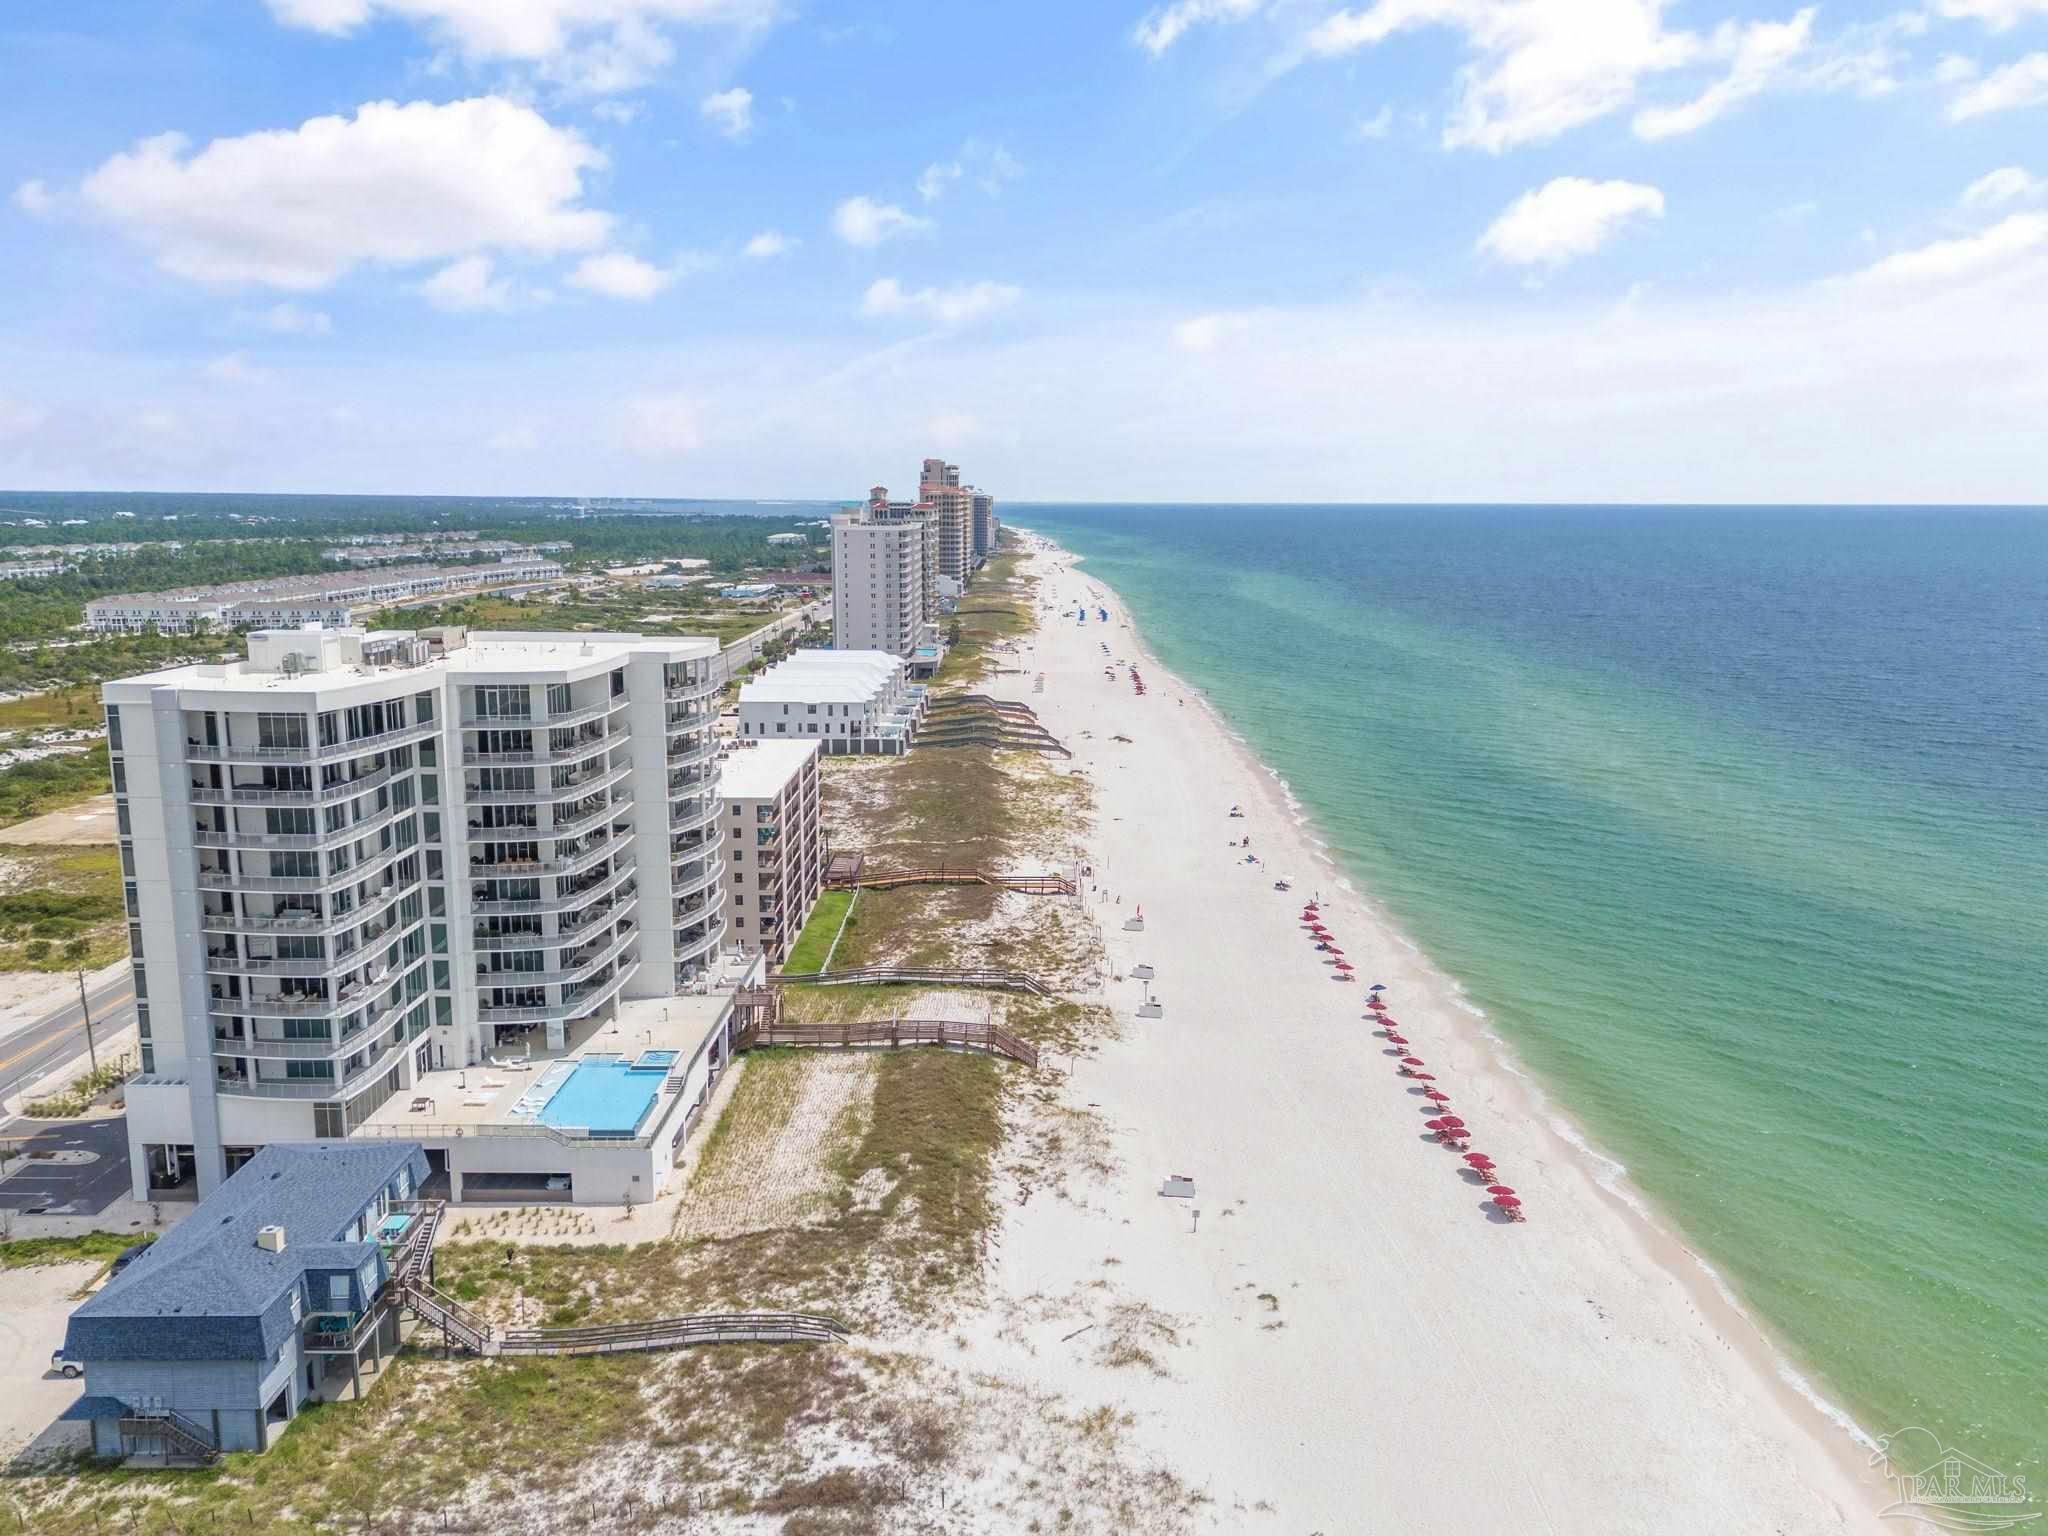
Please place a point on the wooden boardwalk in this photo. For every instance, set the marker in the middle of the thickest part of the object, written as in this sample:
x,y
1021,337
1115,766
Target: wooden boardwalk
x,y
1030,885
922,975
891,1033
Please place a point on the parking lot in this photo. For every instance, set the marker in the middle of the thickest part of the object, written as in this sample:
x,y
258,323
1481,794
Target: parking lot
x,y
70,1168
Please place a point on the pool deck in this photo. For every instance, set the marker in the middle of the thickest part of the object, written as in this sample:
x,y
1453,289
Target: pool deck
x,y
475,1098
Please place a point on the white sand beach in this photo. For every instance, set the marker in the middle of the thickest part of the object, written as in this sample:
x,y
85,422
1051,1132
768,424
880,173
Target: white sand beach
x,y
1347,1336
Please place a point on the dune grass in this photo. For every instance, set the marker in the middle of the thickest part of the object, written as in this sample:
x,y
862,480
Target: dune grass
x,y
807,955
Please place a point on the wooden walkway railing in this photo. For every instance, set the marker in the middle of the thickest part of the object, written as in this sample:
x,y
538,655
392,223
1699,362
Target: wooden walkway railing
x,y
961,1035
674,1333
924,975
1030,885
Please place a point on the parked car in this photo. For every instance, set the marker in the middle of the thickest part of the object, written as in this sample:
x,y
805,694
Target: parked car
x,y
63,1364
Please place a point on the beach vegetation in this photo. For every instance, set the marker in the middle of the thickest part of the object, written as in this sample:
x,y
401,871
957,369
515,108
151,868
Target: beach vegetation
x,y
41,784
53,899
78,1248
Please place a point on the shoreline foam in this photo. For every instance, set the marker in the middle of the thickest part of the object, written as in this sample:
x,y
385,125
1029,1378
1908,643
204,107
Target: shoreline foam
x,y
1816,1433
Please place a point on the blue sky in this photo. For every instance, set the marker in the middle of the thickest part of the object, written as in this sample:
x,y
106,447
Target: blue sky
x,y
1230,249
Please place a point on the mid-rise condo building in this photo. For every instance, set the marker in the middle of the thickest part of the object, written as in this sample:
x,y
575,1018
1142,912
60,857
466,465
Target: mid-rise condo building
x,y
774,843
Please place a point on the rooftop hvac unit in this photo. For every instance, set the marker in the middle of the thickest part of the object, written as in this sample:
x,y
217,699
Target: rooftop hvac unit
x,y
270,1239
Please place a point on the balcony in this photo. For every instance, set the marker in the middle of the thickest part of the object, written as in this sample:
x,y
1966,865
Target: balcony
x,y
526,869
249,794
585,746
233,837
345,1333
585,1001
225,963
229,1044
622,869
362,746
602,954
227,880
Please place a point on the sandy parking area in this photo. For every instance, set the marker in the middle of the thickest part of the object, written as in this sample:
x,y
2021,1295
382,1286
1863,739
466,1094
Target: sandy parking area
x,y
34,1305
90,821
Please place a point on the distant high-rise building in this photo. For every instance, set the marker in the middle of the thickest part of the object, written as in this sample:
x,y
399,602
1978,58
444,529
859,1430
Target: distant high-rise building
x,y
986,528
879,591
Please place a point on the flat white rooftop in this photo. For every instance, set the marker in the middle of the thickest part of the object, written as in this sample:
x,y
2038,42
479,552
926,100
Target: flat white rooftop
x,y
762,771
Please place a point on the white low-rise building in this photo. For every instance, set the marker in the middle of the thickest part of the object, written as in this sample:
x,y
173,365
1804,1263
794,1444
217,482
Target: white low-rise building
x,y
846,701
332,601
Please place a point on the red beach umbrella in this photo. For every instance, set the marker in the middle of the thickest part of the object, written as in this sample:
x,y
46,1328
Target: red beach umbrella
x,y
1336,951
1413,1061
1478,1159
1376,1004
1507,1201
1343,965
1454,1120
1434,1125
1498,1189
1396,1039
1423,1077
1437,1096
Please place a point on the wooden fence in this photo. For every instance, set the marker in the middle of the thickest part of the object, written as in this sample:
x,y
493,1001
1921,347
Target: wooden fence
x,y
959,1034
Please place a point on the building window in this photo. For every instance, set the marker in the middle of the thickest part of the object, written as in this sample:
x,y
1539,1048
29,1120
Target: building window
x,y
113,729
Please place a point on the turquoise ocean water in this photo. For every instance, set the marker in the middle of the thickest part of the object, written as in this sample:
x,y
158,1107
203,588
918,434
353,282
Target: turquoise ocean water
x,y
1734,822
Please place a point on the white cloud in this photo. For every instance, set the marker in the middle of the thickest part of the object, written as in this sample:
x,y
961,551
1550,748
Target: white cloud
x,y
661,427
1164,25
34,198
620,112
288,320
1998,15
2022,83
616,275
1954,69
769,243
863,221
1205,333
1964,259
1757,53
234,368
1567,218
401,185
957,305
1379,125
1539,68
2008,184
989,166
469,284
730,112
595,46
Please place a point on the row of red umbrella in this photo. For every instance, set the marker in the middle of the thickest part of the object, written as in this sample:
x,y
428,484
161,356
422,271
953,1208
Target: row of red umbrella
x,y
1450,1129
1137,682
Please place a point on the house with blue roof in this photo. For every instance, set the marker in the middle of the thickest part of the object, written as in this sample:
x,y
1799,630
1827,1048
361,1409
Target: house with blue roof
x,y
276,1291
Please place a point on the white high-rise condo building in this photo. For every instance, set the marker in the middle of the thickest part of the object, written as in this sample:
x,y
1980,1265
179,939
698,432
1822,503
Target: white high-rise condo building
x,y
879,594
355,859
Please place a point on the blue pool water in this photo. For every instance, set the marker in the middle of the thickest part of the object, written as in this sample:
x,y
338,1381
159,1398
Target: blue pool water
x,y
607,1098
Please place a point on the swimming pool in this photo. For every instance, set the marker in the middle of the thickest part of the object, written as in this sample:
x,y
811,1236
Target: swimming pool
x,y
605,1096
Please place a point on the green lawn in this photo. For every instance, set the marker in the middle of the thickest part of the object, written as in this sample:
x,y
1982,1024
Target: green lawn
x,y
807,955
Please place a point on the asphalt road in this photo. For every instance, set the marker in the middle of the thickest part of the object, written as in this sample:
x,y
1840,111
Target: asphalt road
x,y
72,1167
87,1169
57,1037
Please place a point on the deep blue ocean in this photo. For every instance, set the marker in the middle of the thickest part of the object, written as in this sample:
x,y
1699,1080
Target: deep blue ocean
x,y
1734,823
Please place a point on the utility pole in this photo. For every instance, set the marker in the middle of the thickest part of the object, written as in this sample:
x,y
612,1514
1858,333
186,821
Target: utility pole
x,y
92,1055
